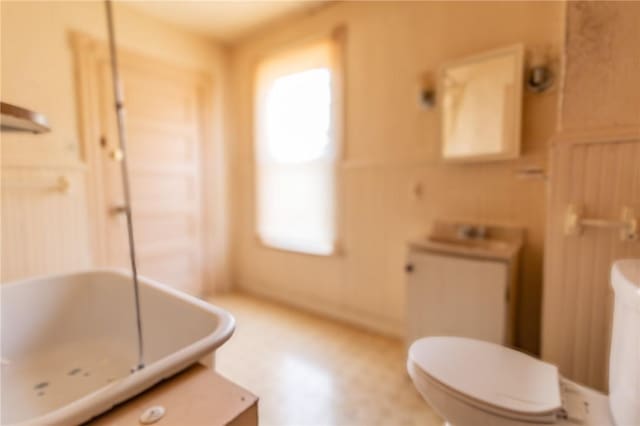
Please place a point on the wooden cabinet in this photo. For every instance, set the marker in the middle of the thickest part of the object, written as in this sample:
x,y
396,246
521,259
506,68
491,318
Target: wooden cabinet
x,y
198,396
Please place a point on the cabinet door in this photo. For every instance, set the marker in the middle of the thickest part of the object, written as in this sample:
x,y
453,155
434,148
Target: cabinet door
x,y
455,296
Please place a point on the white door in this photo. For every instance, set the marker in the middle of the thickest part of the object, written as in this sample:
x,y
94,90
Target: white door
x,y
164,137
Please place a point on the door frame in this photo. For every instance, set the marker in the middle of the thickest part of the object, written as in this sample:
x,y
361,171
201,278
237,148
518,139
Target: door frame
x,y
89,54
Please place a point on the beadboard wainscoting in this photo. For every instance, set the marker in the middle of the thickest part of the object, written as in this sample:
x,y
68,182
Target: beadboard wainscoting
x,y
44,221
601,178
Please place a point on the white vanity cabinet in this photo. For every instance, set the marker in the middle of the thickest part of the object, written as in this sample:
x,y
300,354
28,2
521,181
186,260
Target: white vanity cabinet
x,y
457,296
461,289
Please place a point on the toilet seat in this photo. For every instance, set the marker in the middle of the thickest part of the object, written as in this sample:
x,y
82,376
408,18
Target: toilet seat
x,y
489,377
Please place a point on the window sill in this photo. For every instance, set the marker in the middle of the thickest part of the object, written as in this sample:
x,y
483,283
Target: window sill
x,y
336,252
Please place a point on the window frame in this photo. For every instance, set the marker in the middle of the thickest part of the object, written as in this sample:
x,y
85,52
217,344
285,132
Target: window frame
x,y
337,38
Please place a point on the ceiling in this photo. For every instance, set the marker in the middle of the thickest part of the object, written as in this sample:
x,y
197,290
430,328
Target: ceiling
x,y
225,20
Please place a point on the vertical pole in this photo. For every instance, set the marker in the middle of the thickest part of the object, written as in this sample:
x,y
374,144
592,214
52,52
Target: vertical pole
x,y
119,106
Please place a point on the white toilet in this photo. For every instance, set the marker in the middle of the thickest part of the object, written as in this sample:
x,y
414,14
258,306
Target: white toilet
x,y
475,383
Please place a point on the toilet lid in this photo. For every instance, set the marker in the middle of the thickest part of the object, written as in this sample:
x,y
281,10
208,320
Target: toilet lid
x,y
490,375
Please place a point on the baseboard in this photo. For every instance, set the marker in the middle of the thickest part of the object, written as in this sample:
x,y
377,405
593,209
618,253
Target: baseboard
x,y
359,319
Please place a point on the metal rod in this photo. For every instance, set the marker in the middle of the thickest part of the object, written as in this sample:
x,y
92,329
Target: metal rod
x,y
119,106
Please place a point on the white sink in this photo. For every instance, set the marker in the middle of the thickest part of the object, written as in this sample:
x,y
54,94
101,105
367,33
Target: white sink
x,y
462,281
500,242
482,244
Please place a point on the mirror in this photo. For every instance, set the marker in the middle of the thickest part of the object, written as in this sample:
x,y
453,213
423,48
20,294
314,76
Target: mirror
x,y
481,106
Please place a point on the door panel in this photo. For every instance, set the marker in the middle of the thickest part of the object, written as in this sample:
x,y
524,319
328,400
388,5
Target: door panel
x,y
164,142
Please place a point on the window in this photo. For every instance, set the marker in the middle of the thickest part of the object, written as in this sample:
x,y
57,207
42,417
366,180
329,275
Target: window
x,y
296,149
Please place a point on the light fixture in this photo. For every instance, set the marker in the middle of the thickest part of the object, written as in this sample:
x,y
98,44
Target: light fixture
x,y
427,92
539,78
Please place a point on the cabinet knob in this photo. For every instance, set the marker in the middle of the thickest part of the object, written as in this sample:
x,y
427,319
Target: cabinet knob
x,y
408,268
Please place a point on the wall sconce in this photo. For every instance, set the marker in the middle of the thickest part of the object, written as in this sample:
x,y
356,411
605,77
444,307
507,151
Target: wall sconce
x,y
427,92
539,76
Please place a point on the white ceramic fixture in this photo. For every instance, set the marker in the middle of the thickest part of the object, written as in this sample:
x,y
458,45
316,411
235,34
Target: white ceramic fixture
x,y
471,382
69,343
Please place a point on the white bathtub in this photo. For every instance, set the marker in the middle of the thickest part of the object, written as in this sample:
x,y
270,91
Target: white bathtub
x,y
69,343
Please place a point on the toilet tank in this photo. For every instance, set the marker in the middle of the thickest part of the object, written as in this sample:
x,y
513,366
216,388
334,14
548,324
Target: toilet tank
x,y
624,361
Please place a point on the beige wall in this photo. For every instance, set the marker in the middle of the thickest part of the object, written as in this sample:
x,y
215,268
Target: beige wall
x,y
391,147
601,90
37,72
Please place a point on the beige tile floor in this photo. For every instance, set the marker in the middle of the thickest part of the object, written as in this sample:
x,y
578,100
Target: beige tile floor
x,y
309,370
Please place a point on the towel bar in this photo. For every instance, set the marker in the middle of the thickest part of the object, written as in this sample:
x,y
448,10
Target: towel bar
x,y
62,184
575,222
